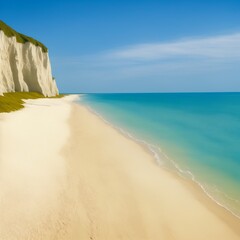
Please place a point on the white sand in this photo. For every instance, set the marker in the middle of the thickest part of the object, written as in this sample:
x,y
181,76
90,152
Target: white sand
x,y
100,185
31,167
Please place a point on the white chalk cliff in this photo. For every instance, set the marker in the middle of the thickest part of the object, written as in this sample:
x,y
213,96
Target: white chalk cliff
x,y
24,66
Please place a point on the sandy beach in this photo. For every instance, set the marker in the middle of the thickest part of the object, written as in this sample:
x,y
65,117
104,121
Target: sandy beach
x,y
66,174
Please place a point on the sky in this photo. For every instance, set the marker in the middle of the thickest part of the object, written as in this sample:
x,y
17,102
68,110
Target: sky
x,y
135,46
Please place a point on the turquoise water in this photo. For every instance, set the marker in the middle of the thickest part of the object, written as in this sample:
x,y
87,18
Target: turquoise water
x,y
196,134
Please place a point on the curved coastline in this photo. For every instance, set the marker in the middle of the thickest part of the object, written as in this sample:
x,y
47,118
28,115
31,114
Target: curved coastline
x,y
195,198
162,158
84,179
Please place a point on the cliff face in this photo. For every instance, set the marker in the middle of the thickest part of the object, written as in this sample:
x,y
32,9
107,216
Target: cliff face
x,y
24,64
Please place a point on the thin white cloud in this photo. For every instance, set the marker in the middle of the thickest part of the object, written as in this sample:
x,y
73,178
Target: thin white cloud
x,y
214,49
226,46
187,64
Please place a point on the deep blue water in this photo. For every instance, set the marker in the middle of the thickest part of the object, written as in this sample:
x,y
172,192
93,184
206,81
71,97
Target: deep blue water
x,y
199,133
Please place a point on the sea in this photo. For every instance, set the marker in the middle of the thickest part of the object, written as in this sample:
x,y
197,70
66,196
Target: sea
x,y
196,135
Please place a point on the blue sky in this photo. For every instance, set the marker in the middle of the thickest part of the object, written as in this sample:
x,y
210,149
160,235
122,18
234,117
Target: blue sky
x,y
135,46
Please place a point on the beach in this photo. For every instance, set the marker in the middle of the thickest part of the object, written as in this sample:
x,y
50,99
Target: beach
x,y
67,174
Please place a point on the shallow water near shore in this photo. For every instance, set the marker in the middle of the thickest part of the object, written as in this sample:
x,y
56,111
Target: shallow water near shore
x,y
196,134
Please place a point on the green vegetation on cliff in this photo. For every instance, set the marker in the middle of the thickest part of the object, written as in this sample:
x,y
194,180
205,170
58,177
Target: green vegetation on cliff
x,y
14,101
9,32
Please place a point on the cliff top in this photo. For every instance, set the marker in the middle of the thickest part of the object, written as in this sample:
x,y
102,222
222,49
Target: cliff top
x,y
20,37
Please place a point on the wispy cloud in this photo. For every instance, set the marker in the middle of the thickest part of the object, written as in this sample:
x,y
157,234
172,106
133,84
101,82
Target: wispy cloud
x,y
197,63
227,46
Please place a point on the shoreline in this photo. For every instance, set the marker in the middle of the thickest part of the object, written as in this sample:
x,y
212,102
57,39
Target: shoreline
x,y
83,179
224,217
174,168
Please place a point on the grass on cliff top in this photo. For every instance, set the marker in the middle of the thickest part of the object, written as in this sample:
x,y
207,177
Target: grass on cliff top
x,y
14,101
21,38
